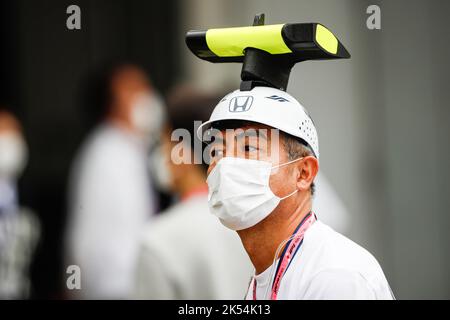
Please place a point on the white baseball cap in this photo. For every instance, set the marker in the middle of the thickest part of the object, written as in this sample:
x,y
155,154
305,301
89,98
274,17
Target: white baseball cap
x,y
268,106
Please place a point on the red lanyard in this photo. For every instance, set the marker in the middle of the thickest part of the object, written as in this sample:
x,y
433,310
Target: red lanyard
x,y
288,254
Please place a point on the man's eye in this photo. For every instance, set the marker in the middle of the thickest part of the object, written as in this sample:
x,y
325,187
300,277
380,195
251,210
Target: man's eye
x,y
249,148
216,153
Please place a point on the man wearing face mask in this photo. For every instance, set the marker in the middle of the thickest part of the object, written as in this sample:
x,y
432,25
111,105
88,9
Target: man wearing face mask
x,y
19,227
110,190
265,158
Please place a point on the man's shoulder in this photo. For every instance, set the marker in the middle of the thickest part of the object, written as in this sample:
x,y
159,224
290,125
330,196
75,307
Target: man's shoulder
x,y
175,222
104,139
331,260
332,250
104,151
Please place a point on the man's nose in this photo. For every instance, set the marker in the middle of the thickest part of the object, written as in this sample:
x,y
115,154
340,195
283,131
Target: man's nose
x,y
229,150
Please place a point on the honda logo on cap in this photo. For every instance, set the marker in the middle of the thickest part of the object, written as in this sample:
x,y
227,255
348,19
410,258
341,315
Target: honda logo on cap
x,y
241,104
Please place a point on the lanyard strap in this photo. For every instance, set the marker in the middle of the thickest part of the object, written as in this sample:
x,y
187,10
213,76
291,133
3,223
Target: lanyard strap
x,y
288,254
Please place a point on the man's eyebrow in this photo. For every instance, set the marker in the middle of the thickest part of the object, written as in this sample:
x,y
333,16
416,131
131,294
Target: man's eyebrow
x,y
251,133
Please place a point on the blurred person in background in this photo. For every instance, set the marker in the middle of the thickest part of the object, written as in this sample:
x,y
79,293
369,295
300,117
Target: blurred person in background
x,y
19,227
186,253
110,191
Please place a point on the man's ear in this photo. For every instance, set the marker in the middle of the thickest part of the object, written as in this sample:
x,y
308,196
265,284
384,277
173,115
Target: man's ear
x,y
308,169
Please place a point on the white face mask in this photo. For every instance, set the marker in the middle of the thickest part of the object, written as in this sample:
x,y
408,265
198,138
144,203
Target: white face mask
x,y
158,168
239,192
148,115
13,155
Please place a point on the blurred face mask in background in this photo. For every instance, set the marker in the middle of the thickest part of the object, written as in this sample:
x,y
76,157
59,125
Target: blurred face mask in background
x,y
159,170
13,155
148,115
239,192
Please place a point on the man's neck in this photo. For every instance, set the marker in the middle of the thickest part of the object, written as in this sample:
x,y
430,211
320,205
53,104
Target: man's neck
x,y
192,180
262,240
120,123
